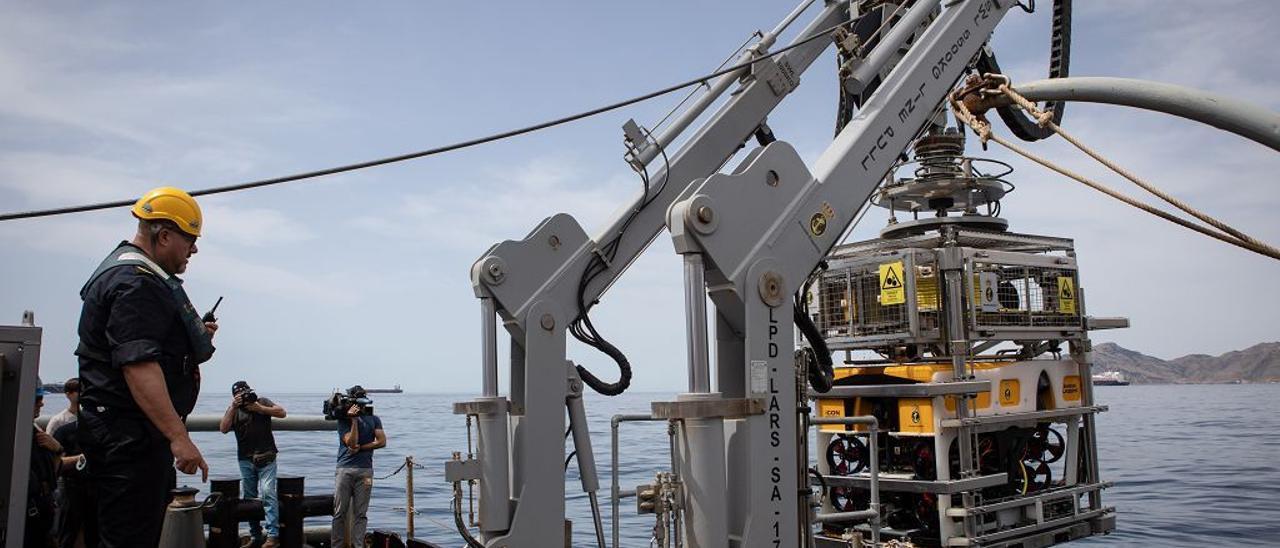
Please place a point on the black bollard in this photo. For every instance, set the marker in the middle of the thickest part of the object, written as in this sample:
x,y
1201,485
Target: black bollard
x,y
224,528
317,505
290,491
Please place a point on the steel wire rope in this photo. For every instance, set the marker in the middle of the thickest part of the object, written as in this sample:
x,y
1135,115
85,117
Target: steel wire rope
x,y
437,150
983,129
703,84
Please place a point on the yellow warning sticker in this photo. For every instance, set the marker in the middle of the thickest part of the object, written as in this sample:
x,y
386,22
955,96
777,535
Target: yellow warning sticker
x,y
892,290
1066,295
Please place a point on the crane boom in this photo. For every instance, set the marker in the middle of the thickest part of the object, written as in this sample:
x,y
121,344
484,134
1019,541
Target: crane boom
x,y
756,234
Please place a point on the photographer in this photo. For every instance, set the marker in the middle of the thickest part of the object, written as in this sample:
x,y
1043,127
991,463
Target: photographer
x,y
250,417
359,434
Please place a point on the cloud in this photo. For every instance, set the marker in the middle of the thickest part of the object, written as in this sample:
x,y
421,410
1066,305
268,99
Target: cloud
x,y
497,203
54,179
83,86
274,282
253,227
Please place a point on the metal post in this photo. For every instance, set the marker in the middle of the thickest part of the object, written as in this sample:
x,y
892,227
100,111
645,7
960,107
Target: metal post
x,y
614,491
1082,353
582,446
695,308
224,528
409,509
702,452
952,262
291,491
489,350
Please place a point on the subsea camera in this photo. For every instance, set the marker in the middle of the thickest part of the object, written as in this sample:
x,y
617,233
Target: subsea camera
x,y
339,404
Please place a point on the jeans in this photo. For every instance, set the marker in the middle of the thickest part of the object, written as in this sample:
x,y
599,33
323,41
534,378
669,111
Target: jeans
x,y
351,490
260,482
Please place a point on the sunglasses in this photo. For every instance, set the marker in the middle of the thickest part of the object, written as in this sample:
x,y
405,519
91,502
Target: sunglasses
x,y
191,240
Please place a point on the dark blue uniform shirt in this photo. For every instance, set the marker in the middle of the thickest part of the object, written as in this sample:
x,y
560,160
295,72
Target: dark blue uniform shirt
x,y
130,315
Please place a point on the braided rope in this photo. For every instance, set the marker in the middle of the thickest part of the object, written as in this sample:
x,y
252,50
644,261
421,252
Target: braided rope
x,y
982,128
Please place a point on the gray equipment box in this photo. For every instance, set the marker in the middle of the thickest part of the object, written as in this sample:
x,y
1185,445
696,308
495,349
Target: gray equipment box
x,y
19,362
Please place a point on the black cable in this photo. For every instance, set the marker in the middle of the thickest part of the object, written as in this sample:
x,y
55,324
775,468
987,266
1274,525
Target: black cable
x,y
457,519
822,377
1059,67
581,328
429,152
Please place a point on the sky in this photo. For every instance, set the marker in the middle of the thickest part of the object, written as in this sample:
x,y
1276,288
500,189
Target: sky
x,y
364,277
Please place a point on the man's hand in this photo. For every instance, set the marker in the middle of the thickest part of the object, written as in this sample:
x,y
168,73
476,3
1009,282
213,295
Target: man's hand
x,y
43,439
237,401
189,458
353,411
212,327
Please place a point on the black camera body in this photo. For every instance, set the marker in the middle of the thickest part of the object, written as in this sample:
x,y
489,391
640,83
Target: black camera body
x,y
247,396
339,405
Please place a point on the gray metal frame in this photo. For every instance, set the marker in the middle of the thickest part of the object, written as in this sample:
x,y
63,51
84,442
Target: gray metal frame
x,y
19,364
752,230
1032,252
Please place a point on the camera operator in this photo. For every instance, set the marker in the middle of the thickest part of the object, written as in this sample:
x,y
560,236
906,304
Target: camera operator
x,y
250,417
359,434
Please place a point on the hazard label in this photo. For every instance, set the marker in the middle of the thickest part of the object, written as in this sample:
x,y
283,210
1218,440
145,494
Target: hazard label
x,y
892,290
1066,295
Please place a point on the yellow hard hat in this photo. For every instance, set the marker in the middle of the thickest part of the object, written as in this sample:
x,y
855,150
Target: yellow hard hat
x,y
172,204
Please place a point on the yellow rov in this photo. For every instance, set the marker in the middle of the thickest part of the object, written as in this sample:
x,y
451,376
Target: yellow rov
x,y
969,345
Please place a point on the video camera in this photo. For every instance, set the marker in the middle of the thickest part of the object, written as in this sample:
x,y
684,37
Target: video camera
x,y
339,404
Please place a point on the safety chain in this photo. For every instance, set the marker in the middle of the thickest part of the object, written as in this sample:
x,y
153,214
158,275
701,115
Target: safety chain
x,y
980,93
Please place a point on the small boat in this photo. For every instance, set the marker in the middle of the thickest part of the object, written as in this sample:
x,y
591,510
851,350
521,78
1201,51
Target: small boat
x,y
1110,378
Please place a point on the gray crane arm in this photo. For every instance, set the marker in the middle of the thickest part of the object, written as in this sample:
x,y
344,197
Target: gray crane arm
x,y
548,264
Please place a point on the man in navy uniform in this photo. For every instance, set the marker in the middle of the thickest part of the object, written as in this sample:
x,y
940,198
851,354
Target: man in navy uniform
x,y
141,346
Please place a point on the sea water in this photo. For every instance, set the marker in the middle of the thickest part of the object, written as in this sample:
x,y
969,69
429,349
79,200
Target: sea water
x,y
1193,465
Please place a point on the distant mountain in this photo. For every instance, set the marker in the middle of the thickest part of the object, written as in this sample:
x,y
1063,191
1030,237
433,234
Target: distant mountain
x,y
1258,363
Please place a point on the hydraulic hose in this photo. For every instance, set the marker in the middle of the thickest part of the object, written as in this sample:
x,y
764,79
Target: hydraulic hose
x,y
821,377
457,518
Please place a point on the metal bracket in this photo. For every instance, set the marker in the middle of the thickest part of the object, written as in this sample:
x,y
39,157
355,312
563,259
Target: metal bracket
x,y
481,407
703,409
1091,323
461,470
780,75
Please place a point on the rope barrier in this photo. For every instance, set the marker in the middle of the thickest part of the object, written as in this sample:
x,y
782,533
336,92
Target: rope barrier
x,y
960,105
416,466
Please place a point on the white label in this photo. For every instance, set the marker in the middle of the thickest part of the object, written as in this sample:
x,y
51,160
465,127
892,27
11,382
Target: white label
x,y
989,291
759,376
